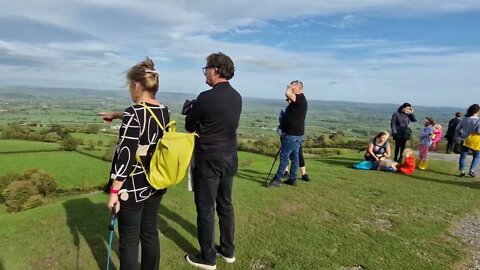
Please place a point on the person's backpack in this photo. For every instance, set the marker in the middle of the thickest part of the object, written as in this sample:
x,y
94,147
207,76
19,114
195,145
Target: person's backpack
x,y
171,158
363,165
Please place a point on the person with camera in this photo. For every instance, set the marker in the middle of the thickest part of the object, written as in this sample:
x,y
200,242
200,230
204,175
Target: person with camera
x,y
401,132
293,128
215,116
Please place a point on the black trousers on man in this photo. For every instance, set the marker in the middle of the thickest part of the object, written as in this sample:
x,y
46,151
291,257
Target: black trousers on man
x,y
399,147
137,221
212,183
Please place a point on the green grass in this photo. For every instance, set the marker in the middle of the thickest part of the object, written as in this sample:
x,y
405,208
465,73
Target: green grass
x,y
25,146
95,137
70,169
344,217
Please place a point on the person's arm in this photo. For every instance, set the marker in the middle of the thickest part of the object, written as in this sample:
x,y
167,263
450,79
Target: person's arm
x,y
290,94
393,124
457,131
412,117
127,145
370,151
195,114
110,116
387,151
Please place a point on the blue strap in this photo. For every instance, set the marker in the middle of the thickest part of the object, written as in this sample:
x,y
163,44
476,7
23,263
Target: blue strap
x,y
110,244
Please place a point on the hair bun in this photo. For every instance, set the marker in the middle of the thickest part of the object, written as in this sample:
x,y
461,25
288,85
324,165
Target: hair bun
x,y
148,63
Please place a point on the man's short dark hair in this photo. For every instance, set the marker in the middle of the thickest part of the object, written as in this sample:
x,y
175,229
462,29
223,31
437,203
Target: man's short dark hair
x,y
223,63
458,114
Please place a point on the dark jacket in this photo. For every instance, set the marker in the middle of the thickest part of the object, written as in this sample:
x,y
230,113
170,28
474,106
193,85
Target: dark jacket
x,y
452,124
215,117
399,124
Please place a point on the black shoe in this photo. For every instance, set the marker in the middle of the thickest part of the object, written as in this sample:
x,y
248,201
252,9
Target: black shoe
x,y
472,173
273,183
228,259
306,178
290,182
462,174
196,260
286,174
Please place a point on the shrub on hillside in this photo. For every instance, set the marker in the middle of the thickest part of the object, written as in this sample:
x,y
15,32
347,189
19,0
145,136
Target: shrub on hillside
x,y
27,190
69,143
17,194
5,180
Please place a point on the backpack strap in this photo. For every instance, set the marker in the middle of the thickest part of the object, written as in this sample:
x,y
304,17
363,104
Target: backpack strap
x,y
172,125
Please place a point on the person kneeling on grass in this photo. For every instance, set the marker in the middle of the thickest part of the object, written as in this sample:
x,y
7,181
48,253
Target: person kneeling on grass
x,y
378,148
408,165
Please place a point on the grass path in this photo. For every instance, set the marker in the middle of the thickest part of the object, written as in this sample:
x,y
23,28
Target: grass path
x,y
344,217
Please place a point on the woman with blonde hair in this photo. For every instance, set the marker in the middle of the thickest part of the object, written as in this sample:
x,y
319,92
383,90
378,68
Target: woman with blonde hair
x,y
378,147
134,199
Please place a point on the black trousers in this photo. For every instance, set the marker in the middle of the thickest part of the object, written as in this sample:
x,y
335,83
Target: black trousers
x,y
399,147
137,221
212,183
450,144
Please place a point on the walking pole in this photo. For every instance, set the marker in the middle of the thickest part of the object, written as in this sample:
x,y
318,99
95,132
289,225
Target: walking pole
x,y
111,228
273,164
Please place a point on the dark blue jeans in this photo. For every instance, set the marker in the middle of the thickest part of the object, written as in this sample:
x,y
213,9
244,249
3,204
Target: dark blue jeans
x,y
212,183
290,146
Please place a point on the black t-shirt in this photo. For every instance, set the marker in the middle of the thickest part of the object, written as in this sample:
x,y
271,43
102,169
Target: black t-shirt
x,y
294,123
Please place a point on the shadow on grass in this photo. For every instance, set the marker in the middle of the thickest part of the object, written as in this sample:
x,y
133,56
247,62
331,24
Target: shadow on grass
x,y
90,221
1,265
255,176
460,182
340,161
166,214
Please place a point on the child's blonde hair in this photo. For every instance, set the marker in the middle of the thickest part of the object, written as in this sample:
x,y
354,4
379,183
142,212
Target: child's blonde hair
x,y
437,126
407,152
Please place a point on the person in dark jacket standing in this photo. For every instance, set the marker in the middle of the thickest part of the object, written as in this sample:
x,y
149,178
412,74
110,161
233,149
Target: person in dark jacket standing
x,y
450,135
293,130
401,131
215,116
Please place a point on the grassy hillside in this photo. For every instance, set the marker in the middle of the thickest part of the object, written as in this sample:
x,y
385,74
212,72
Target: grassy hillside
x,y
343,217
70,169
8,146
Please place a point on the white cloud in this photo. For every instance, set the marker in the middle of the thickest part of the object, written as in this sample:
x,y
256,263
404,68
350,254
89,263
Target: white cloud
x,y
179,34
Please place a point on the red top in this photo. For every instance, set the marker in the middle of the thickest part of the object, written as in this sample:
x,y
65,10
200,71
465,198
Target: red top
x,y
408,166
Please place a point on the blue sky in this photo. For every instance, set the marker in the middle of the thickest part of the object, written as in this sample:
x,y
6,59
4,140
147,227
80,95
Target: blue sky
x,y
382,51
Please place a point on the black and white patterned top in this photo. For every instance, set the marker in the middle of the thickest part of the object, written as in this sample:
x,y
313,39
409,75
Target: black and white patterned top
x,y
139,132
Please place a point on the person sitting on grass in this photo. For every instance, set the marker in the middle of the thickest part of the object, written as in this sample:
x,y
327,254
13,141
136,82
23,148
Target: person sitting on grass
x,y
408,165
378,147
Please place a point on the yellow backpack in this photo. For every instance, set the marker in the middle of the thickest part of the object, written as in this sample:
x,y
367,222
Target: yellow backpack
x,y
171,158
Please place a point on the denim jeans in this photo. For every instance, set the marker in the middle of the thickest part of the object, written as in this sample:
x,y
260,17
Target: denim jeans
x,y
290,146
212,183
463,157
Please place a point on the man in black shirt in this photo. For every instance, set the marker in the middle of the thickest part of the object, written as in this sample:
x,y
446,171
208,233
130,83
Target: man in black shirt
x,y
293,131
215,116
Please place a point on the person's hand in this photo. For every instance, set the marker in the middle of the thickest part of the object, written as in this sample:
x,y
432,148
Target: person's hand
x,y
107,116
114,201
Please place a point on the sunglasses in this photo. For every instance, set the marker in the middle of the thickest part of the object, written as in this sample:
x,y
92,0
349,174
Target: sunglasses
x,y
296,81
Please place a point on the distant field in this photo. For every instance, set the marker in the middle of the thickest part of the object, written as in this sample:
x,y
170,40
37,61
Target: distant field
x,y
24,146
97,152
95,137
70,169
